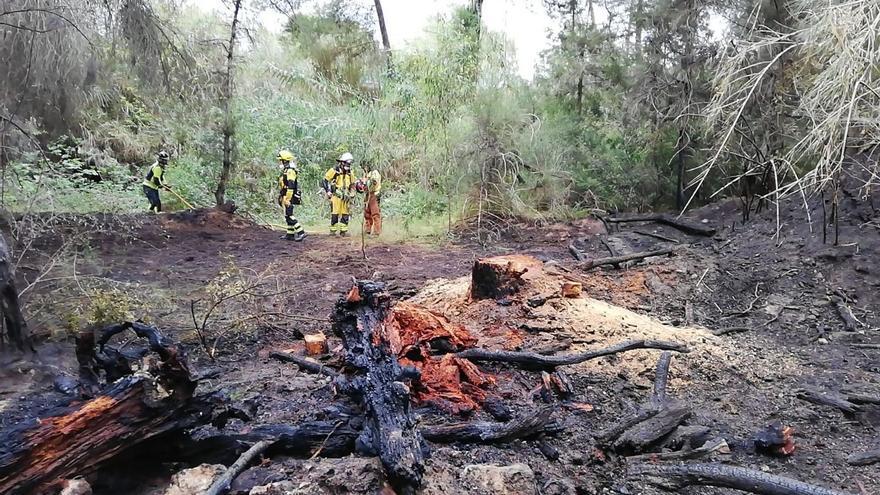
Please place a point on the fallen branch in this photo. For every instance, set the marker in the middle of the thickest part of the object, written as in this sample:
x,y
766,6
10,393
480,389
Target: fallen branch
x,y
616,260
487,432
864,458
724,476
222,484
305,363
539,361
577,253
708,448
657,236
661,379
828,399
726,331
665,219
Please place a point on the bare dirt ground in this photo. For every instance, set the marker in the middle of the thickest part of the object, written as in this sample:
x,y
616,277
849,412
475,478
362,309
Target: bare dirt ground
x,y
776,292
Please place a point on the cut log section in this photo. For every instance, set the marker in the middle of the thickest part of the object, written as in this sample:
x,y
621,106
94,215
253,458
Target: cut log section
x,y
571,289
678,476
616,260
500,276
77,439
680,224
15,326
316,344
539,361
378,384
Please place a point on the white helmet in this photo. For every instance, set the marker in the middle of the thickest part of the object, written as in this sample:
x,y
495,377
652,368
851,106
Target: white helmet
x,y
346,157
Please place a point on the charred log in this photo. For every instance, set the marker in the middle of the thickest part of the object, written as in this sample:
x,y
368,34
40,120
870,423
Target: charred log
x,y
79,438
377,382
643,435
526,426
616,260
676,477
305,364
683,225
533,360
15,325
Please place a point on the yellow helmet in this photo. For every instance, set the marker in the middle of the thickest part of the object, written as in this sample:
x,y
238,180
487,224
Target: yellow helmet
x,y
285,156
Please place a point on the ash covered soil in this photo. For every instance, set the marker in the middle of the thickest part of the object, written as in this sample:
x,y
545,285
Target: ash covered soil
x,y
757,312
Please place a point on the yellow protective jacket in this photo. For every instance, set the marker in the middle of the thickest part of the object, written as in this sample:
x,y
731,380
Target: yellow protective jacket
x,y
341,186
338,183
155,176
288,187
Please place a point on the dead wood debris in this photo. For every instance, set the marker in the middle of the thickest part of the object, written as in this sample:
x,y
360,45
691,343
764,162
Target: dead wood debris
x,y
121,414
679,476
526,426
304,363
832,399
683,225
221,485
538,361
616,260
377,383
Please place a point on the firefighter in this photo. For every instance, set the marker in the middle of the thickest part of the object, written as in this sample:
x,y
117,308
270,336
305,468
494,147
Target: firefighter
x,y
339,185
289,195
371,184
155,180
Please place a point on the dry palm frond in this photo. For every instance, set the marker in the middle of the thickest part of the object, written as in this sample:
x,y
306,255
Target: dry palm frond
x,y
828,87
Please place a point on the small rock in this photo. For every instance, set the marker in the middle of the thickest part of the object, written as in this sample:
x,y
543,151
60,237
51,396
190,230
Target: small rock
x,y
279,488
863,268
76,487
822,340
194,480
67,385
558,487
516,479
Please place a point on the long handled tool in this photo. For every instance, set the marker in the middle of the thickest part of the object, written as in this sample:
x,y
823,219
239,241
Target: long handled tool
x,y
181,198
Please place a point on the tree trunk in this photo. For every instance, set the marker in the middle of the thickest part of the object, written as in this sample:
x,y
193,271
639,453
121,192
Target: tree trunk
x,y
390,429
228,125
477,8
383,30
13,319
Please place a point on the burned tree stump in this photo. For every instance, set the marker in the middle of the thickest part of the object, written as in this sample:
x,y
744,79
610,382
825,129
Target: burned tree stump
x,y
16,327
77,439
500,276
378,384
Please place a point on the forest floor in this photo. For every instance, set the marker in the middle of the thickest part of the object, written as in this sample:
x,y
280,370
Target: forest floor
x,y
777,294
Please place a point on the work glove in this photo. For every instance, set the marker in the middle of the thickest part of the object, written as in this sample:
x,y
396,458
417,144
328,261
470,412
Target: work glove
x,y
285,201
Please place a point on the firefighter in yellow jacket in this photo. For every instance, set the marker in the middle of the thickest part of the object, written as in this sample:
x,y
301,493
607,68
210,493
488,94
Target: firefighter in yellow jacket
x,y
289,195
155,180
338,185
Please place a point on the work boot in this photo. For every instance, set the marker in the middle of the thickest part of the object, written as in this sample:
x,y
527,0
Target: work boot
x,y
289,237
343,233
299,236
